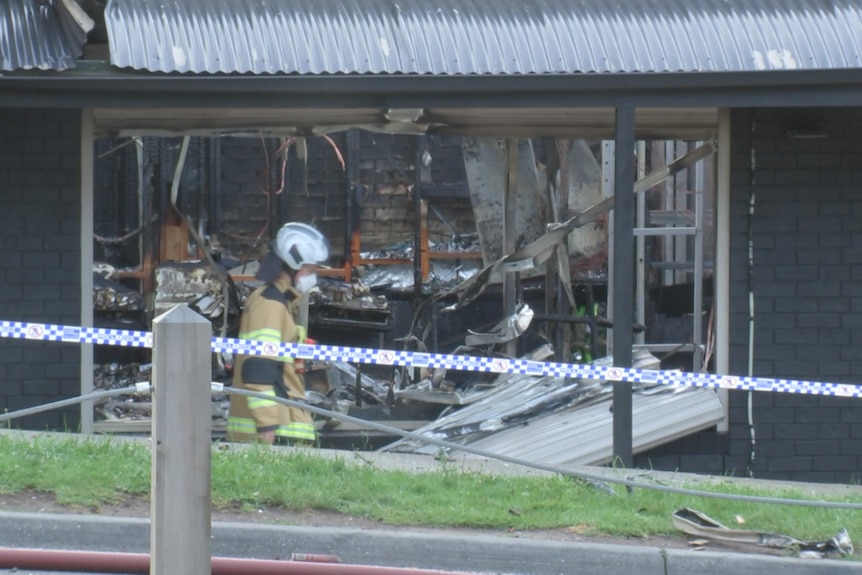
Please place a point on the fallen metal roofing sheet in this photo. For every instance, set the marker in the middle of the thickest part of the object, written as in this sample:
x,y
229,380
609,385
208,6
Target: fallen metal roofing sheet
x,y
584,435
46,35
566,422
469,37
555,422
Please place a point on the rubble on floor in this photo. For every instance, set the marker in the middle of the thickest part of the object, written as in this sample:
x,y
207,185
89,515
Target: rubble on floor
x,y
547,420
111,295
208,291
562,421
131,407
118,376
554,421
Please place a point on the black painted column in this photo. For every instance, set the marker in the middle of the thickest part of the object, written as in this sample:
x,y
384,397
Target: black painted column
x,y
623,284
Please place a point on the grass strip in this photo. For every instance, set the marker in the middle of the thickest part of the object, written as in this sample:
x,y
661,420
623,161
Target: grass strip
x,y
94,472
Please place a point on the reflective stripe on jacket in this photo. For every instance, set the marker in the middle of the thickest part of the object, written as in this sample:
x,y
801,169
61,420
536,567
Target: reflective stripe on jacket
x,y
268,316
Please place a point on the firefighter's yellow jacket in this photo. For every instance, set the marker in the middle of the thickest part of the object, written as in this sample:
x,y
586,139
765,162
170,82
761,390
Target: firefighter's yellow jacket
x,y
268,316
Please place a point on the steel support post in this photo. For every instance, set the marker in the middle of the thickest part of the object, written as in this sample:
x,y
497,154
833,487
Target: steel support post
x,y
623,293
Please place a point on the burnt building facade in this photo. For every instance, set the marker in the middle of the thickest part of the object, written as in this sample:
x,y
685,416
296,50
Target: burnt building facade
x,y
792,169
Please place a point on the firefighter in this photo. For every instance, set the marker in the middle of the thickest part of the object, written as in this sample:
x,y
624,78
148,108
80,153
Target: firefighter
x,y
289,271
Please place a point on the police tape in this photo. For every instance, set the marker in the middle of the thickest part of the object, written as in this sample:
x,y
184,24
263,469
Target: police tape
x,y
117,337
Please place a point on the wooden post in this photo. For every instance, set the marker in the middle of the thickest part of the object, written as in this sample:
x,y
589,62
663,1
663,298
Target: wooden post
x,y
174,244
423,170
419,221
181,434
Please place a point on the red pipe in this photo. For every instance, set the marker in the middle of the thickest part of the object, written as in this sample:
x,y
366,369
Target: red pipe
x,y
102,562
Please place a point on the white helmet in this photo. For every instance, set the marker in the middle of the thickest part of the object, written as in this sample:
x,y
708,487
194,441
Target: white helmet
x,y
297,244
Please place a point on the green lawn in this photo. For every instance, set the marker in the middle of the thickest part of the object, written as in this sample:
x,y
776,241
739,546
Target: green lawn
x,y
93,472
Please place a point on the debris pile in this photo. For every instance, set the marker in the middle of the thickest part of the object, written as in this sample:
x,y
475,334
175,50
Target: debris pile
x,y
570,421
444,272
334,303
209,291
344,386
110,295
135,407
119,376
350,305
463,243
704,528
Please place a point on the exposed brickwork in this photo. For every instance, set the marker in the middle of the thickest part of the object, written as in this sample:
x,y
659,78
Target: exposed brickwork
x,y
387,175
244,182
40,274
315,190
260,189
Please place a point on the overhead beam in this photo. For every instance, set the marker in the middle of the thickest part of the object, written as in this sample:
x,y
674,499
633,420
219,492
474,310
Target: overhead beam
x,y
99,85
586,123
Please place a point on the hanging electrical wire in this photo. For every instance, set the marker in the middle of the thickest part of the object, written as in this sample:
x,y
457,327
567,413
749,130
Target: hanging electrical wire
x,y
750,371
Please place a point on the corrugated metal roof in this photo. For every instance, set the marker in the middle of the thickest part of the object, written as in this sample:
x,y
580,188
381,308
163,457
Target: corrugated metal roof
x,y
458,37
46,35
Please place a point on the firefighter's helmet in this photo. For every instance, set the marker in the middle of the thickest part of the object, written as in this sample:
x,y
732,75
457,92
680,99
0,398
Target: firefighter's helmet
x,y
298,244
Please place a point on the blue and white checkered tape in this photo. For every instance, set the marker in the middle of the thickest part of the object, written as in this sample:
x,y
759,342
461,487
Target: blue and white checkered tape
x,y
101,336
72,334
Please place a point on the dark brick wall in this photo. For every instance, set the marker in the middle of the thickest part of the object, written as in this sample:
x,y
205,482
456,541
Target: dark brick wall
x,y
807,298
245,181
40,278
316,190
387,175
261,188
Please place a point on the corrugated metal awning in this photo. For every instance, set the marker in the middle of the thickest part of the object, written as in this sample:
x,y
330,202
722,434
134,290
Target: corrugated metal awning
x,y
46,35
468,37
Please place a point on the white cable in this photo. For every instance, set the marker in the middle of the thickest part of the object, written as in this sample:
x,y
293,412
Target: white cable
x,y
751,204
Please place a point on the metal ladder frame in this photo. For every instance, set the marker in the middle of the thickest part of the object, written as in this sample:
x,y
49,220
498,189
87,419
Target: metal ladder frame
x,y
674,235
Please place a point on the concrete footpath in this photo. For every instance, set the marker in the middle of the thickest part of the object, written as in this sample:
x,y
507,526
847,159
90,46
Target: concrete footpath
x,y
406,548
